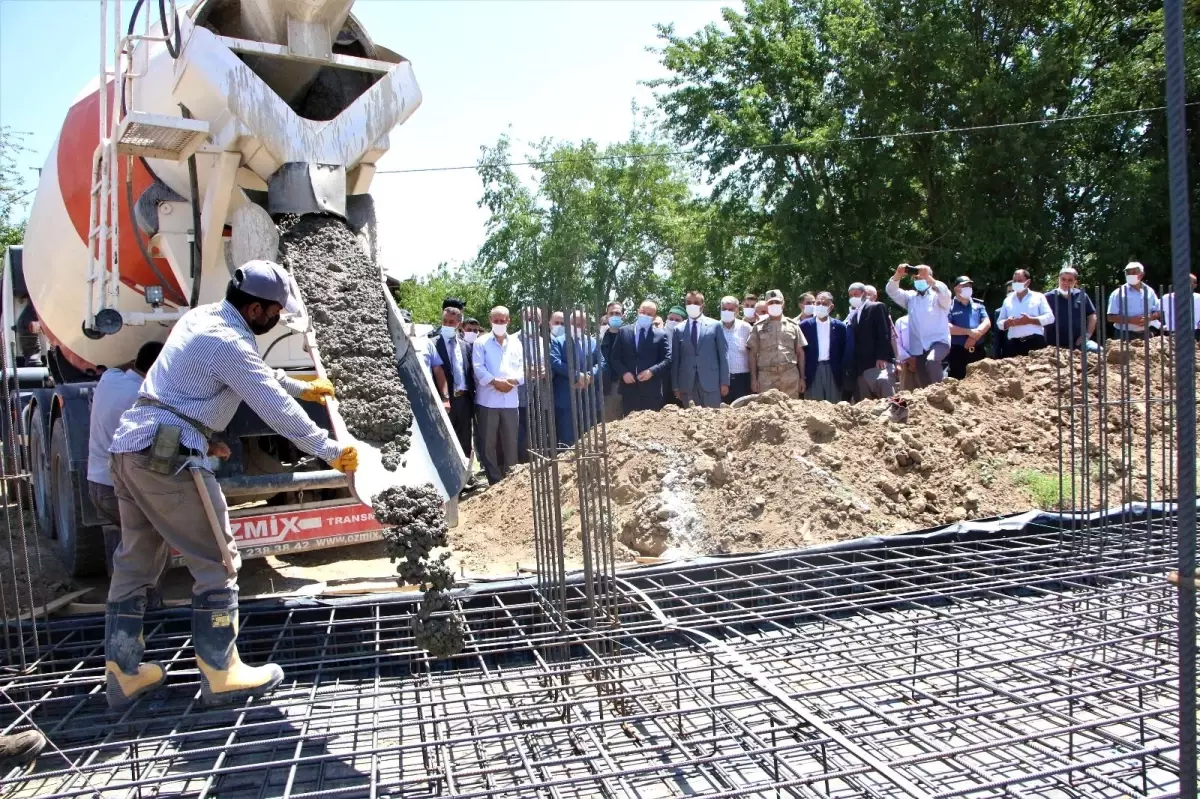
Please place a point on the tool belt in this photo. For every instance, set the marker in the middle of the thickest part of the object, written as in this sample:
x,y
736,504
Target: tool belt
x,y
167,447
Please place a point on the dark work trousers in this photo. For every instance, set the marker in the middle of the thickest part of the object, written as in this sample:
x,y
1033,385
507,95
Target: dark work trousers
x,y
1026,345
462,412
959,358
739,386
523,434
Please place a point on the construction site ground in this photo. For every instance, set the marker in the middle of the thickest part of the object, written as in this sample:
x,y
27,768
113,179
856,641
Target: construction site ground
x,y
778,474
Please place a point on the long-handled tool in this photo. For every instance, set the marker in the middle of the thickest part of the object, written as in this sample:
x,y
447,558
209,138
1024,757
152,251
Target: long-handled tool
x,y
218,529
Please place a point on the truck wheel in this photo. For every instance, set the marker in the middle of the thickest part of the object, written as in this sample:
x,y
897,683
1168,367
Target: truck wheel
x,y
81,548
39,469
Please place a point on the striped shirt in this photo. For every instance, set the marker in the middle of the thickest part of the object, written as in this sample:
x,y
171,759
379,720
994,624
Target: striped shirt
x,y
207,368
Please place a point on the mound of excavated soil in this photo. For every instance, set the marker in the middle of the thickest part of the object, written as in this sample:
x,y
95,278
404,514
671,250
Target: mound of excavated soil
x,y
786,473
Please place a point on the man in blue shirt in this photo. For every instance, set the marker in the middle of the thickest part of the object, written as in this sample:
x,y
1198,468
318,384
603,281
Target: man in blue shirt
x,y
969,323
1074,314
1134,305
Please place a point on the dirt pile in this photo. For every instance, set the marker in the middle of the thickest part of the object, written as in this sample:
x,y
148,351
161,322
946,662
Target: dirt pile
x,y
784,473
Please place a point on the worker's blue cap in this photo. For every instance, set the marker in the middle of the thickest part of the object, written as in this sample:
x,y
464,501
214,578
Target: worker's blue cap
x,y
268,280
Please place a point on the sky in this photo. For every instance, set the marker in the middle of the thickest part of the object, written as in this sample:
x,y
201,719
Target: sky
x,y
564,69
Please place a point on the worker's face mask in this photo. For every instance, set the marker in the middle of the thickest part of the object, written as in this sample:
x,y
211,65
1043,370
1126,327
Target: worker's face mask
x,y
921,285
262,322
820,311
470,336
775,311
856,302
558,331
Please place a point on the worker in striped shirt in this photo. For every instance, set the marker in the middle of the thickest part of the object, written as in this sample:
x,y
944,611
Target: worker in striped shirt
x,y
169,497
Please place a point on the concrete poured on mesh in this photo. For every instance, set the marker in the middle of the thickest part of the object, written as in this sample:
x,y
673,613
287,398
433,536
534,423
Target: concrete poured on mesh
x,y
417,526
343,293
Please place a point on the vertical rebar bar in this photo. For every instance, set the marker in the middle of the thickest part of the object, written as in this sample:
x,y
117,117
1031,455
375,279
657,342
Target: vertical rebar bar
x,y
1185,382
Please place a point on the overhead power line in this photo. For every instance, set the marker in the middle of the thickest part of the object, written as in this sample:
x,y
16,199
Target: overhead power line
x,y
760,147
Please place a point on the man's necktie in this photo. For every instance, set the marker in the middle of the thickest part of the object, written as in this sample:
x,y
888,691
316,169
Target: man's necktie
x,y
641,339
695,335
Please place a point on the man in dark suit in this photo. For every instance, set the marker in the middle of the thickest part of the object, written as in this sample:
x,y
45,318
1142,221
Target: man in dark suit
x,y
582,368
828,352
872,375
699,366
641,356
459,385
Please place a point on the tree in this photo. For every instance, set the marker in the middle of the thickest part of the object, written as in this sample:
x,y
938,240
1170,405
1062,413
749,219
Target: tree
x,y
811,115
12,187
423,297
594,223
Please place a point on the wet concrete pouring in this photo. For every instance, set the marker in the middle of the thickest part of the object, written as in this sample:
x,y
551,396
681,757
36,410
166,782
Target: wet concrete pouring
x,y
343,292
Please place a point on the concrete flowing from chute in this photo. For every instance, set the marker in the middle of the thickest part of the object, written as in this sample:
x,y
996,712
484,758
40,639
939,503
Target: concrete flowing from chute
x,y
343,294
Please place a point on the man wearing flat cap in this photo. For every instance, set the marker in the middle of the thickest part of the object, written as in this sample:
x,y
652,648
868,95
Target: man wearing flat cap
x,y
969,323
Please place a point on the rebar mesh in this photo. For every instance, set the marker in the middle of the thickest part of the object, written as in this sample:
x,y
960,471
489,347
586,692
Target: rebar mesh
x,y
1031,662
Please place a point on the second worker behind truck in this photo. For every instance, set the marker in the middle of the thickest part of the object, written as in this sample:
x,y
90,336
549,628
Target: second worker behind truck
x,y
169,498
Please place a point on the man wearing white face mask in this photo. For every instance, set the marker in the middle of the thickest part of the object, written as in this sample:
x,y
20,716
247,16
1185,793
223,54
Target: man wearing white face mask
x,y
749,302
1134,305
928,306
1074,314
1024,316
699,363
871,329
737,335
969,323
777,351
829,356
499,369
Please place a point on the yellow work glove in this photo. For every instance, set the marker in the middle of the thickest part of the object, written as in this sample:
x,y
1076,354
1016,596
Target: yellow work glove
x,y
317,391
347,461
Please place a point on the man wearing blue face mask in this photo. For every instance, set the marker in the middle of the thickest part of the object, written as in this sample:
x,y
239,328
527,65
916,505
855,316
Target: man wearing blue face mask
x,y
928,306
641,355
610,325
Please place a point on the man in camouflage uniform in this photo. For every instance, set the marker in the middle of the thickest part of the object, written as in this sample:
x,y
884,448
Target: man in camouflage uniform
x,y
776,350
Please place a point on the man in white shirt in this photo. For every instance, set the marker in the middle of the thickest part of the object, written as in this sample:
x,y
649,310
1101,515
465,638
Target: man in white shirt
x,y
906,373
1168,310
928,306
113,395
1132,306
737,333
499,369
1024,317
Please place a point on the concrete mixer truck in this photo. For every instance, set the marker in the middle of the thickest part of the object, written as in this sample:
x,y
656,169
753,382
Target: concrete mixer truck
x,y
202,130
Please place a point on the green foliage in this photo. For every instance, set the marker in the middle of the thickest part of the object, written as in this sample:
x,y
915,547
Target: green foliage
x,y
593,224
792,102
423,296
12,187
1045,489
